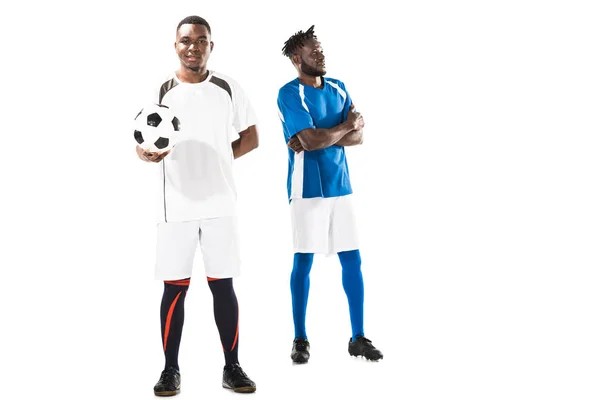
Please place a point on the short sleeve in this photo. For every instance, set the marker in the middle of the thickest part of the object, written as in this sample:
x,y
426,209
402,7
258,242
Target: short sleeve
x,y
347,102
243,112
293,112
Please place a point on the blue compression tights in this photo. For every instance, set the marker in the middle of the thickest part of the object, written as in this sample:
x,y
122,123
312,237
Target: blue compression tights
x,y
352,282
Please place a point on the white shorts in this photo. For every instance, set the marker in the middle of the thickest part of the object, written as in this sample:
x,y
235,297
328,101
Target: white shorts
x,y
323,225
177,243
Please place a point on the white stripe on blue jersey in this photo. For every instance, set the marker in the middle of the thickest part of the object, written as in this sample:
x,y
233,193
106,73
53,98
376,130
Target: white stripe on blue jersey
x,y
297,175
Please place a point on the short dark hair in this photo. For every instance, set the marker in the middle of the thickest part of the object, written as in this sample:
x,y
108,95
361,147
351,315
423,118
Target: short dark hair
x,y
194,20
297,41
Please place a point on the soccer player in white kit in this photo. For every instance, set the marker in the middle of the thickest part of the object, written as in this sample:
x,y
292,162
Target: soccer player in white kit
x,y
319,120
196,202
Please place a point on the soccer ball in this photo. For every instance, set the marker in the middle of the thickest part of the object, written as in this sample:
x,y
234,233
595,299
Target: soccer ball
x,y
156,128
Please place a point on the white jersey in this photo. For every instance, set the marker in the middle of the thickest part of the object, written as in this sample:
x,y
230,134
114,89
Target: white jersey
x,y
196,178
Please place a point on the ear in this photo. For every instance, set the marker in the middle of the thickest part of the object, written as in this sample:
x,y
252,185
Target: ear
x,y
212,44
296,59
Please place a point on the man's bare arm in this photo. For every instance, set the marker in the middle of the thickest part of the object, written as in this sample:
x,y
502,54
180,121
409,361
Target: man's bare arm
x,y
320,138
351,139
247,142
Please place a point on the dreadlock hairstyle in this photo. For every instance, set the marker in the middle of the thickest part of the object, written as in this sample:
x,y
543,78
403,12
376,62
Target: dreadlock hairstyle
x,y
194,20
296,41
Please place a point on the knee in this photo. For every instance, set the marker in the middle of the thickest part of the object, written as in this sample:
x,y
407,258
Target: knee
x,y
303,262
350,259
221,286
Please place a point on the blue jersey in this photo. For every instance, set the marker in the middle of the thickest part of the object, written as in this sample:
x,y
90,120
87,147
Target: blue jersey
x,y
318,173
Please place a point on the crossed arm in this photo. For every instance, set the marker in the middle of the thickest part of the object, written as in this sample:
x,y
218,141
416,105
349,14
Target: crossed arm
x,y
348,133
316,139
352,138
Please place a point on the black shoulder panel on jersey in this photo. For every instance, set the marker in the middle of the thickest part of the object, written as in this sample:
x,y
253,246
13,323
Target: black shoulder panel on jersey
x,y
168,85
222,84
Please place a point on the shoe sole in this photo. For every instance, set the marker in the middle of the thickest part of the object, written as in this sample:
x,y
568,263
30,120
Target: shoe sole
x,y
300,360
365,357
166,394
243,389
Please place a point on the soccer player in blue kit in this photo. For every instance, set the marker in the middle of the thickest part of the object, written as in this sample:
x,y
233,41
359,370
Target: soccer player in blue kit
x,y
319,120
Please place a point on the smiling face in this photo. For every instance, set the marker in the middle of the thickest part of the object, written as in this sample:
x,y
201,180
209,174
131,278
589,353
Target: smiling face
x,y
193,46
310,58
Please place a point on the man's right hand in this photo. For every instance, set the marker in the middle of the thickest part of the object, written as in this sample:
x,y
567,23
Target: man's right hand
x,y
355,119
295,144
149,156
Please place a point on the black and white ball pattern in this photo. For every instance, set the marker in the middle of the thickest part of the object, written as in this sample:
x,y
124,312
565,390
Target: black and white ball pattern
x,y
156,128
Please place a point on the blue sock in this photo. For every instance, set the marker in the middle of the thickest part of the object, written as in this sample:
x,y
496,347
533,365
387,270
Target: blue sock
x,y
299,285
352,281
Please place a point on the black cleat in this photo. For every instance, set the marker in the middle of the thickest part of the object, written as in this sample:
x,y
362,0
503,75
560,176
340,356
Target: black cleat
x,y
236,379
363,347
300,351
169,383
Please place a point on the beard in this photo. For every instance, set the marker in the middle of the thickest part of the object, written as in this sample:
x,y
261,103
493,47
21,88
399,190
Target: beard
x,y
195,69
311,71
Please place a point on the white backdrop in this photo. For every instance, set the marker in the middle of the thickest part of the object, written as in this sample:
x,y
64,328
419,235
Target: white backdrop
x,y
476,192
